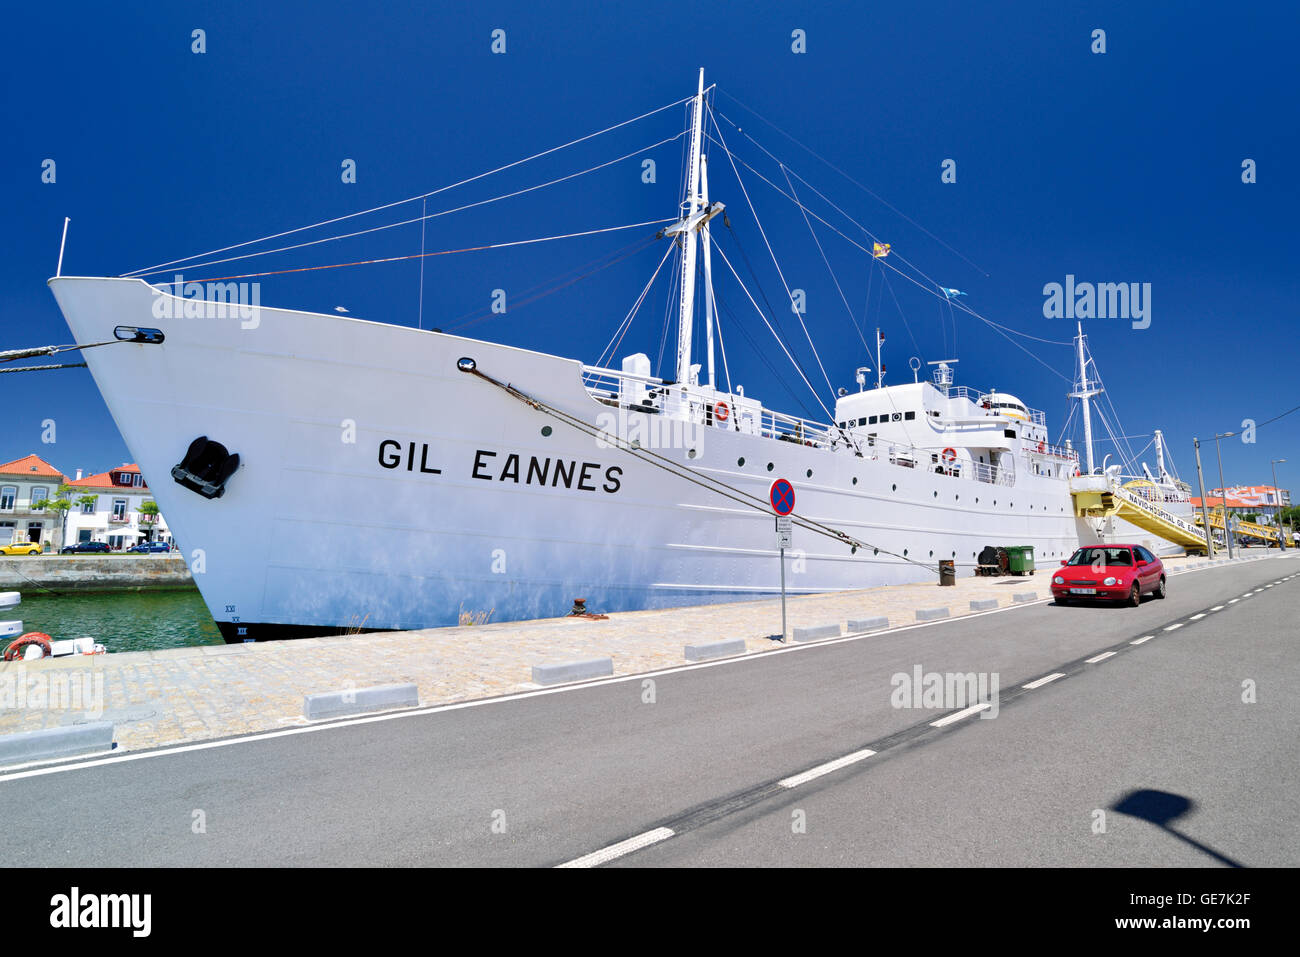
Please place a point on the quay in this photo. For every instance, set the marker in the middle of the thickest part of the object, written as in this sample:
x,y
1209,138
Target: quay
x,y
187,695
66,573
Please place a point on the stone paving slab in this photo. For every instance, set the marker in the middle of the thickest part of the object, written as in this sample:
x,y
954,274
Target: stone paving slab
x,y
183,695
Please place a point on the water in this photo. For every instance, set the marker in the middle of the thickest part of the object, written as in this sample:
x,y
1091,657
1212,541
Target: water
x,y
122,621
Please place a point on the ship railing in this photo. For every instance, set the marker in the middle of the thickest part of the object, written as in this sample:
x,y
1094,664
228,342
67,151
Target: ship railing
x,y
1147,505
1057,451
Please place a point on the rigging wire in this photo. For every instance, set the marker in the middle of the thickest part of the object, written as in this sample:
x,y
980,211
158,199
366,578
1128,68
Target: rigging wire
x,y
442,189
873,195
442,252
419,219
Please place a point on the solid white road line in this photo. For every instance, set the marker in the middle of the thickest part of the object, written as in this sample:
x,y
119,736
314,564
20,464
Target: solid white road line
x,y
1142,640
1101,657
827,768
957,716
1042,681
607,854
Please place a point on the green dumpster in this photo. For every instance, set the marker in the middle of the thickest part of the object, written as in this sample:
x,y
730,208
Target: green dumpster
x,y
1020,559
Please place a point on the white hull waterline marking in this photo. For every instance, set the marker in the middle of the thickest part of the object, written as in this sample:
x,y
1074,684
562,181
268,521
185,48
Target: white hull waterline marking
x,y
287,545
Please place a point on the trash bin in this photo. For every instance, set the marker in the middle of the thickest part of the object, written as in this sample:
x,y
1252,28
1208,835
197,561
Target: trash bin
x,y
1020,559
947,571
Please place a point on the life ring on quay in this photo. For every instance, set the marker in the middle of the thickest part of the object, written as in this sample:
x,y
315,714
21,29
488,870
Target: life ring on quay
x,y
17,649
720,412
950,456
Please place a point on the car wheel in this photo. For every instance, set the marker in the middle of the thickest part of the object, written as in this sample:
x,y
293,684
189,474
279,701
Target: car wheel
x,y
1160,589
1135,595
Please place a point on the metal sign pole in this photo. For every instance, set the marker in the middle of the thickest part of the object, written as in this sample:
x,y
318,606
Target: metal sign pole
x,y
782,553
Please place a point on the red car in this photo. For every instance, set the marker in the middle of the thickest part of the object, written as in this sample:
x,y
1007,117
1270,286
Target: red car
x,y
1109,572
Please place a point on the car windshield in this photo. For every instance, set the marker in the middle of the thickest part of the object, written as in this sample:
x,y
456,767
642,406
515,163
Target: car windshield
x,y
1102,556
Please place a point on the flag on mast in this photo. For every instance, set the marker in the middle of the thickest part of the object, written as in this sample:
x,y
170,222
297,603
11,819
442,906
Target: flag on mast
x,y
879,250
952,293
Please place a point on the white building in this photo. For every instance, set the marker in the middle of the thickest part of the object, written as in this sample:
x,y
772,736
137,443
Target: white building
x,y
24,482
114,515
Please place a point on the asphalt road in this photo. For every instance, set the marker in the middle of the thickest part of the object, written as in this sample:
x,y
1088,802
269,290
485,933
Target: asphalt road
x,y
1159,729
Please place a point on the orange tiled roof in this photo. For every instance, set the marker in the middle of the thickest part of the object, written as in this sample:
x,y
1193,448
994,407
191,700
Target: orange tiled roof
x,y
30,465
104,479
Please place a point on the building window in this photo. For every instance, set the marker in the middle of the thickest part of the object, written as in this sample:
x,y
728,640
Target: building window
x,y
8,496
137,480
119,509
39,493
87,508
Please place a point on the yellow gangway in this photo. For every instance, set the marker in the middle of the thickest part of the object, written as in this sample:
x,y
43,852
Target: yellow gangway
x,y
1265,533
1100,496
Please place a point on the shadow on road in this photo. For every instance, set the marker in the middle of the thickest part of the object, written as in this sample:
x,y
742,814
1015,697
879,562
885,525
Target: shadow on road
x,y
1161,808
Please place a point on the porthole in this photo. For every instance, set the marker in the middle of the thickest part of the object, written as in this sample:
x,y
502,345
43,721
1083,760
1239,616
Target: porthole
x,y
855,480
875,551
546,430
740,462
810,473
936,493
769,466
905,553
956,498
932,553
893,488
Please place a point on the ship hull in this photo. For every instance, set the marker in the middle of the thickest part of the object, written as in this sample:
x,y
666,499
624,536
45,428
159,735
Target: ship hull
x,y
381,487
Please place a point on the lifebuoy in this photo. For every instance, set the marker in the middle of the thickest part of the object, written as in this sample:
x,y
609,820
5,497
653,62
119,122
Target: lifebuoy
x,y
1041,446
950,455
17,649
720,412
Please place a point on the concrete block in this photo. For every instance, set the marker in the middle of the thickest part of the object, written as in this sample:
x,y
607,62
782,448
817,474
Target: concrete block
x,y
931,614
331,704
983,604
859,625
814,632
61,742
572,671
715,649
1024,596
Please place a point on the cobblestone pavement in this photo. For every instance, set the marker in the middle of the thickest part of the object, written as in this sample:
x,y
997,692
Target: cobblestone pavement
x,y
183,695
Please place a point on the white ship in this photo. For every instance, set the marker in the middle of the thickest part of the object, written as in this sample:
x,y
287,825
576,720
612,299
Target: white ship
x,y
513,481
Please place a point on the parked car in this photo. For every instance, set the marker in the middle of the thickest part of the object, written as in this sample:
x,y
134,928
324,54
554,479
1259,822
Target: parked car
x,y
21,548
82,548
1111,573
147,547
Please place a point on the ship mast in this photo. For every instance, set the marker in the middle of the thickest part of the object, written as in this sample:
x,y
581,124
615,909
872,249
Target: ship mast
x,y
692,204
1085,394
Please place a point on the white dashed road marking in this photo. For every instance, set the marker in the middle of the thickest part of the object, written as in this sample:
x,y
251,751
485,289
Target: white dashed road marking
x,y
607,854
1042,681
1142,640
1101,657
957,716
1172,627
827,768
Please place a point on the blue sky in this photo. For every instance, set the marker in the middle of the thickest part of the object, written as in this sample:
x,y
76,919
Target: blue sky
x,y
1118,167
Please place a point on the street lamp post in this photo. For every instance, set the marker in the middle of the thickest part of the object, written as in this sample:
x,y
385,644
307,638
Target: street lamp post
x,y
1223,491
1205,509
1281,531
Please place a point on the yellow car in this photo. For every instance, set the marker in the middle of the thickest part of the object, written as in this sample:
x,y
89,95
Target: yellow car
x,y
20,548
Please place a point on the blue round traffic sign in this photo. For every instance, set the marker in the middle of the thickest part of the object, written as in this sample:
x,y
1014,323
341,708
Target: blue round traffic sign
x,y
782,497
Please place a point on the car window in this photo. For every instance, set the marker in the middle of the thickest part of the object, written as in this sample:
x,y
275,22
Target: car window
x,y
1102,556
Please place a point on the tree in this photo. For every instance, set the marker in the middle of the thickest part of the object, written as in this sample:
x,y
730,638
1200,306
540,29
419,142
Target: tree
x,y
149,512
57,506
